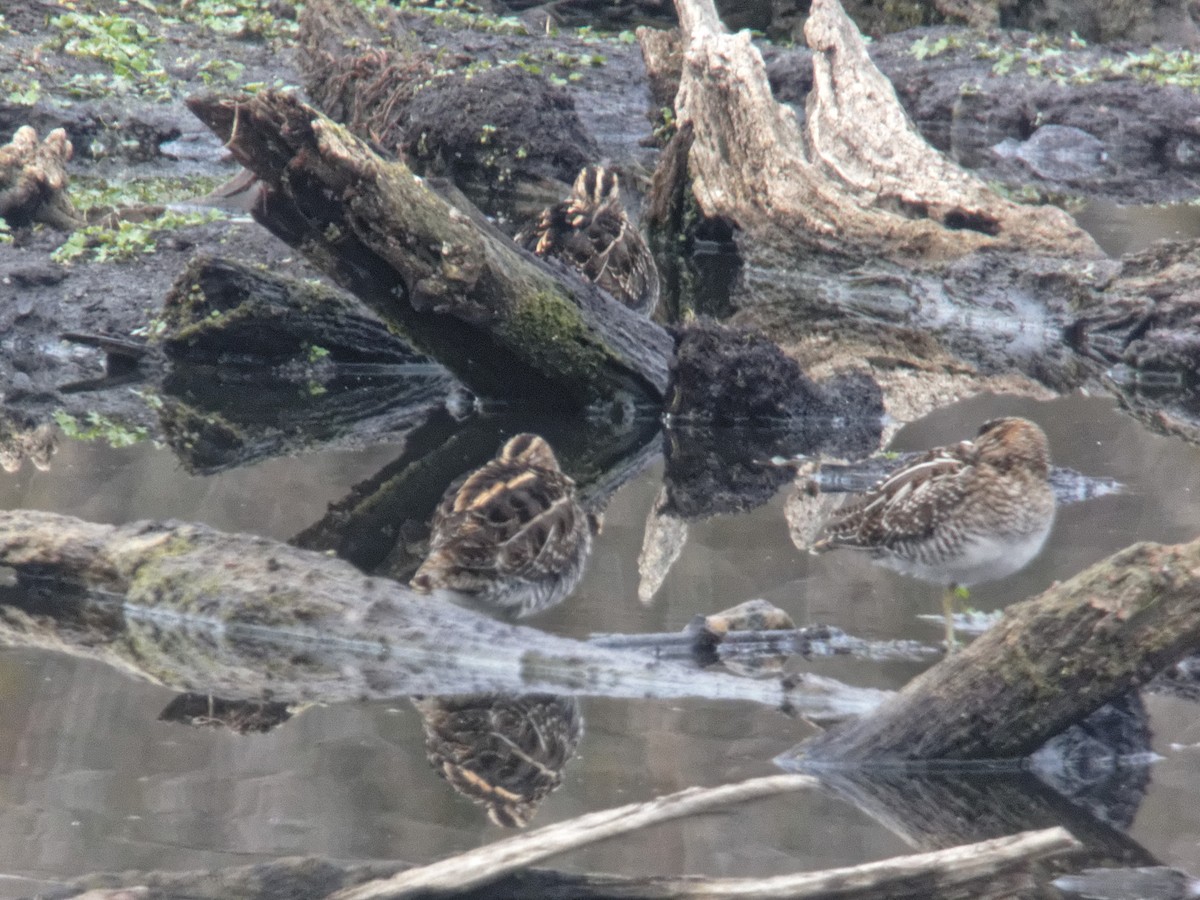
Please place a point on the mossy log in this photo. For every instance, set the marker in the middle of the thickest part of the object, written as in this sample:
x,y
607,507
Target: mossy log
x,y
499,319
1048,662
245,617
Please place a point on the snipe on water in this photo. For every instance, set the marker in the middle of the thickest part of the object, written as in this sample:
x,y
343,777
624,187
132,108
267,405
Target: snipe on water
x,y
512,535
958,515
591,231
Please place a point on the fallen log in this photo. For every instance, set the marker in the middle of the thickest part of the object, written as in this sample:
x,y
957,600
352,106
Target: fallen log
x,y
223,312
1048,662
503,322
213,421
931,811
243,617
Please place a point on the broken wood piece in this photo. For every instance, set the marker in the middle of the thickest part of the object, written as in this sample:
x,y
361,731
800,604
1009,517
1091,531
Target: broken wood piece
x,y
504,323
1050,661
918,877
33,181
857,179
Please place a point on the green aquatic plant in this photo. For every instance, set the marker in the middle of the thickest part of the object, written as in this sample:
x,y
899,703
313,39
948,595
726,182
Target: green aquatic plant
x,y
99,427
127,239
458,14
21,93
90,192
238,19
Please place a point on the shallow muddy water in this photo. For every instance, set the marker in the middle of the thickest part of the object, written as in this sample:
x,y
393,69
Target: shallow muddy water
x,y
92,781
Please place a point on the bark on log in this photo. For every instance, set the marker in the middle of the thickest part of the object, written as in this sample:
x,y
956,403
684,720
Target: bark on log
x,y
1049,661
503,322
243,617
222,312
857,179
932,811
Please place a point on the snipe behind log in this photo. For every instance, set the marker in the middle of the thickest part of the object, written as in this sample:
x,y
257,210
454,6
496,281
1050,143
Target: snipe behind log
x,y
591,231
959,515
512,534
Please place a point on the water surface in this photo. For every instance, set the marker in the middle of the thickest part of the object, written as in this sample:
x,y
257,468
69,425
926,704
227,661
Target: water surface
x,y
92,781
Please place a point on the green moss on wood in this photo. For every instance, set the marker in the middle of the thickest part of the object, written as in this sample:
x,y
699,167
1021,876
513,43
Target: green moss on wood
x,y
554,338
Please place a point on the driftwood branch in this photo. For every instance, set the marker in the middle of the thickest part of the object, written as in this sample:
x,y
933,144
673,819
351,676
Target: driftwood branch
x,y
1049,661
937,870
496,872
500,320
488,863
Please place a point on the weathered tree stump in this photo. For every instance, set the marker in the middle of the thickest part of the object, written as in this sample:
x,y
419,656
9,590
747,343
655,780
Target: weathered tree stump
x,y
857,179
33,180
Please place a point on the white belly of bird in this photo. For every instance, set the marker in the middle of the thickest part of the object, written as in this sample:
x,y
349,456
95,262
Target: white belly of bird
x,y
979,559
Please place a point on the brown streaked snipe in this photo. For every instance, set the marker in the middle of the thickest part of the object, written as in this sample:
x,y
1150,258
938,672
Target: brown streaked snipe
x,y
591,231
958,515
512,535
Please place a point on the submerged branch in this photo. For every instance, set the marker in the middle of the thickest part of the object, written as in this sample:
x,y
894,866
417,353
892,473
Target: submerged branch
x,y
244,617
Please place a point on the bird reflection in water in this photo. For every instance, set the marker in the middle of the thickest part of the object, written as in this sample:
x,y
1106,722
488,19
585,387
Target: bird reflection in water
x,y
511,535
505,752
959,515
